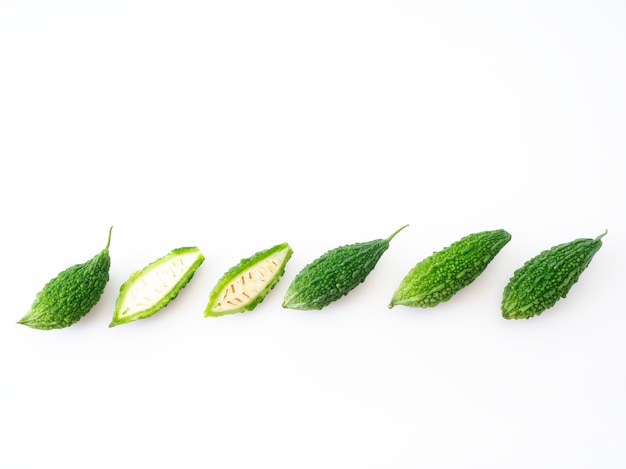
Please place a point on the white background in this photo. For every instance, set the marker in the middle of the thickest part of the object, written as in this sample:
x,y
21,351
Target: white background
x,y
238,125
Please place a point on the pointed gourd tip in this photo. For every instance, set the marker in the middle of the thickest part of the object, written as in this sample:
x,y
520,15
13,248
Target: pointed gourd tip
x,y
24,321
21,322
603,234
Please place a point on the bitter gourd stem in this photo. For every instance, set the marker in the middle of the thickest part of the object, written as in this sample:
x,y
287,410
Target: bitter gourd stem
x,y
109,240
602,235
396,232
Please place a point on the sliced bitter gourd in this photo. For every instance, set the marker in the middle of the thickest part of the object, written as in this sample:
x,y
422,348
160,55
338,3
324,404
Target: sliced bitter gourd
x,y
153,287
245,285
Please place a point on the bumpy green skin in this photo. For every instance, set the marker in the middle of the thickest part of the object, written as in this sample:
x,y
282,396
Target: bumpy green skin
x,y
242,266
334,274
118,319
547,277
440,276
69,296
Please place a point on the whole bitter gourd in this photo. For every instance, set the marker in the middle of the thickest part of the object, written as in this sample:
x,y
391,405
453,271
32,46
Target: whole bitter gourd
x,y
69,296
334,274
440,276
547,277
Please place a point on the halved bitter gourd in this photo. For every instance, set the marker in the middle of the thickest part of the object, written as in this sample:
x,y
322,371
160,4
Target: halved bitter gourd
x,y
153,287
245,285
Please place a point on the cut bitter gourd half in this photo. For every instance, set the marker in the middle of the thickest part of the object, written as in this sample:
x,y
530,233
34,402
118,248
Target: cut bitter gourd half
x,y
152,288
245,285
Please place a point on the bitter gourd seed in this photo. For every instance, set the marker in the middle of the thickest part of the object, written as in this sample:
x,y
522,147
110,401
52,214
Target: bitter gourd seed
x,y
246,284
150,289
334,274
69,296
440,276
547,277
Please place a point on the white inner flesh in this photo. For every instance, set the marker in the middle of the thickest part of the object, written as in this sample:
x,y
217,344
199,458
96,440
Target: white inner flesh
x,y
155,284
242,290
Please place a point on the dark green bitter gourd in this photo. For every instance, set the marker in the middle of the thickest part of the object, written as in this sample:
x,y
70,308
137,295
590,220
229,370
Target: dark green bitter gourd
x,y
334,274
69,296
440,276
547,277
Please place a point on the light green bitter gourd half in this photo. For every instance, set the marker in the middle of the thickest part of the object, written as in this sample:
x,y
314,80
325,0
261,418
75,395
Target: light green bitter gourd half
x,y
547,277
440,276
246,284
69,296
334,274
152,288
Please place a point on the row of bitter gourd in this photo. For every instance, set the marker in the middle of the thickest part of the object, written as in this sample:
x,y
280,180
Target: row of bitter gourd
x,y
533,288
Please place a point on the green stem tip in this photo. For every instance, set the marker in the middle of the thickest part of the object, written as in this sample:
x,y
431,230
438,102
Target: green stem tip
x,y
603,234
109,240
396,232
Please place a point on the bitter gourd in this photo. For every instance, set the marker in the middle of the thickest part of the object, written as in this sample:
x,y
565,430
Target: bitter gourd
x,y
334,274
547,277
440,276
245,285
150,289
69,296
